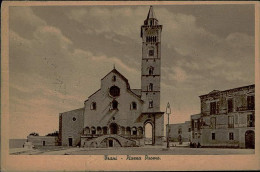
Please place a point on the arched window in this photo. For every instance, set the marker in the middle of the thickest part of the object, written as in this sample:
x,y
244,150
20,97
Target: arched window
x,y
150,88
140,131
86,130
128,131
99,130
150,103
93,106
134,131
104,130
134,105
114,105
150,70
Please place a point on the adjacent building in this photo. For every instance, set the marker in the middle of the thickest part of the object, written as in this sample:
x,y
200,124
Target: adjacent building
x,y
116,114
227,119
180,132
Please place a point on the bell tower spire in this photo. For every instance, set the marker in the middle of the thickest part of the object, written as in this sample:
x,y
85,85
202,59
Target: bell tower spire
x,y
151,62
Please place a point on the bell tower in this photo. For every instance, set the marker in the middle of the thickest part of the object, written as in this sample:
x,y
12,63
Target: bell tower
x,y
151,63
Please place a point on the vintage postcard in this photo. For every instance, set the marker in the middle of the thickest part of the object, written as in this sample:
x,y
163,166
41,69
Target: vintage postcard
x,y
130,86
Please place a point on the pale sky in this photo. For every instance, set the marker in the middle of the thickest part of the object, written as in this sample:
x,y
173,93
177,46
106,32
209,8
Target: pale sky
x,y
59,54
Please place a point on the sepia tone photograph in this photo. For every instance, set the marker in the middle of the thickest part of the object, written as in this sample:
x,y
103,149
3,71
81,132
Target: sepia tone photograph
x,y
131,82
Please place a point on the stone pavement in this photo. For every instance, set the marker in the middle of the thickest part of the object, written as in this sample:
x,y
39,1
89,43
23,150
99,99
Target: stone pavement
x,y
147,150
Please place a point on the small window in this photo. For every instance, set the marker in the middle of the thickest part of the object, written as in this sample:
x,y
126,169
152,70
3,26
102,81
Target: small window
x,y
230,122
213,122
195,124
213,136
250,102
74,119
231,136
151,70
114,118
230,105
150,88
213,108
189,130
150,103
251,120
151,52
93,106
114,78
134,105
179,131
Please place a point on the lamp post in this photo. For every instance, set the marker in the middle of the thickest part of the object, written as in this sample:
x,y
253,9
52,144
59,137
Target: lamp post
x,y
168,112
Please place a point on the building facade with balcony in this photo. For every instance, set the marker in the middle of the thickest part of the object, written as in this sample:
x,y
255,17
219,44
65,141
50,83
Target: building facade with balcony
x,y
116,115
227,119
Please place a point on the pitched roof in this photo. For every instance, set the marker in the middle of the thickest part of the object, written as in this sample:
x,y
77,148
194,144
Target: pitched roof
x,y
118,73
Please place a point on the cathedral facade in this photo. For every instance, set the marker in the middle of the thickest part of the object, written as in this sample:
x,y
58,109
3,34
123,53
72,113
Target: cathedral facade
x,y
116,115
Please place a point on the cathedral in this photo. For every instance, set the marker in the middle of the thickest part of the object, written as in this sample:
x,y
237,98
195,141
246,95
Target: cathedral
x,y
116,115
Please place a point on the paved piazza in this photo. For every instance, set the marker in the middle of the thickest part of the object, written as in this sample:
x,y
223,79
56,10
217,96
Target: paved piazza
x,y
149,150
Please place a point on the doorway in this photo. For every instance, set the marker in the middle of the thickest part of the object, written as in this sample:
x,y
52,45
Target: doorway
x,y
250,139
70,141
113,128
110,143
43,143
148,133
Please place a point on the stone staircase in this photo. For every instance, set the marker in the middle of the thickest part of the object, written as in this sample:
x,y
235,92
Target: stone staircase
x,y
99,141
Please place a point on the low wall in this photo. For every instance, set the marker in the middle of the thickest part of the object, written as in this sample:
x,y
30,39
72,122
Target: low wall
x,y
43,140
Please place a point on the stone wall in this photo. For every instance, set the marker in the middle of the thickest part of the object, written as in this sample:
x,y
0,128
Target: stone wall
x,y
43,140
72,126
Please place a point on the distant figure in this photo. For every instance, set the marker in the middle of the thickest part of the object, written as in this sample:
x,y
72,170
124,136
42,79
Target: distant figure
x,y
199,145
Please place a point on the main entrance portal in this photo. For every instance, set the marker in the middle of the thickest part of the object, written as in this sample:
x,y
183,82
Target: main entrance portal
x,y
113,128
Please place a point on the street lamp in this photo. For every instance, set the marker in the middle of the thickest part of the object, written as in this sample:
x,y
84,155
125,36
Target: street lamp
x,y
168,112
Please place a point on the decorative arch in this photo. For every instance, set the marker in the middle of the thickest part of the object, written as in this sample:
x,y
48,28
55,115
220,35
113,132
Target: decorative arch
x,y
104,130
99,130
122,130
140,131
134,131
93,130
149,132
128,131
86,130
105,141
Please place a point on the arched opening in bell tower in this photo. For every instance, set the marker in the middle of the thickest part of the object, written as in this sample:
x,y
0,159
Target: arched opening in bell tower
x,y
148,133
